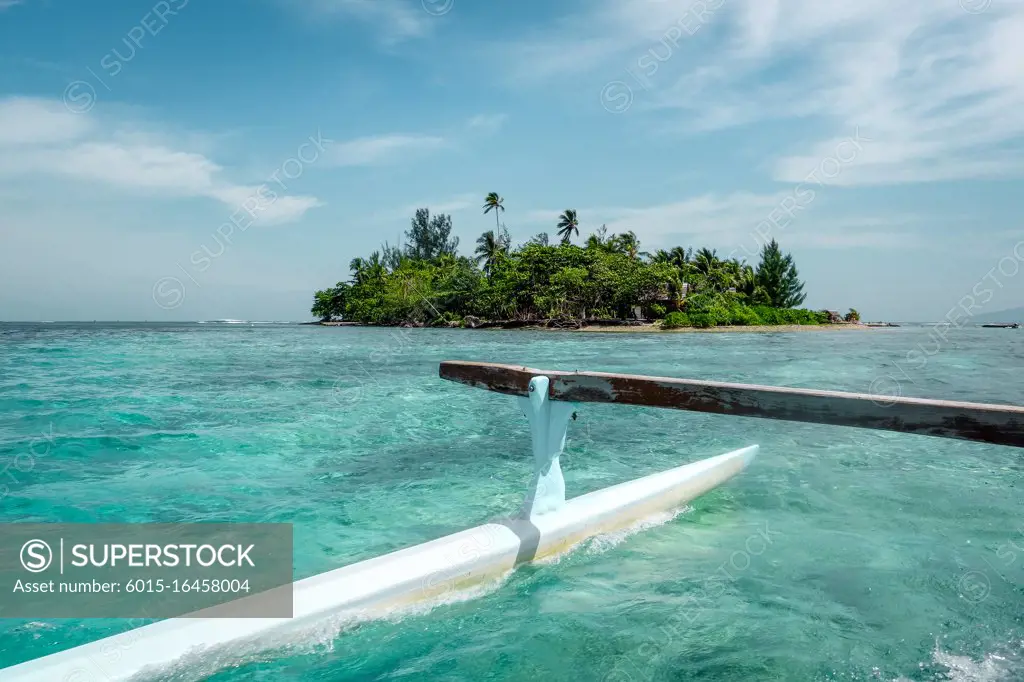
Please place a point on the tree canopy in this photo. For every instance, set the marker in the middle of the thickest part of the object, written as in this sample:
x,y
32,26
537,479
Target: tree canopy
x,y
428,282
430,237
777,276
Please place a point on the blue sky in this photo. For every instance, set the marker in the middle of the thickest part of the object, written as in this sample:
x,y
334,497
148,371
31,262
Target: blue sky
x,y
883,148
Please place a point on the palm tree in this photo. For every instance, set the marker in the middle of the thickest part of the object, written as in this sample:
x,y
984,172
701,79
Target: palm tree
x,y
568,225
662,256
680,257
489,248
746,282
732,272
628,244
375,268
677,290
706,260
358,268
492,202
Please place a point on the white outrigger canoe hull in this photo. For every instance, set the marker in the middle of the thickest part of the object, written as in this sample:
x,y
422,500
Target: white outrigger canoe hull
x,y
377,587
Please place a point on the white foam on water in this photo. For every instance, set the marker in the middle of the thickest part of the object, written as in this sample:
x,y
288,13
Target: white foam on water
x,y
993,667
605,541
35,627
598,544
454,597
318,637
964,669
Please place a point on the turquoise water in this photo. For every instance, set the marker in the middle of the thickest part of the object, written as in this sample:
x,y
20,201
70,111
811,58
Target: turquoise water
x,y
841,554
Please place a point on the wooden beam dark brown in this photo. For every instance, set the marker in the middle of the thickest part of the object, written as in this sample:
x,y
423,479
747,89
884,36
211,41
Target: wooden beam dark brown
x,y
987,423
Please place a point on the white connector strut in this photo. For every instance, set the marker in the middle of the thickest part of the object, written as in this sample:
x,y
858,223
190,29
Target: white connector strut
x,y
549,421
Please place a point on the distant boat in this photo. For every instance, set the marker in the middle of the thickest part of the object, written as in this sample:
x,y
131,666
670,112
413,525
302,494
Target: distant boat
x,y
1003,325
880,324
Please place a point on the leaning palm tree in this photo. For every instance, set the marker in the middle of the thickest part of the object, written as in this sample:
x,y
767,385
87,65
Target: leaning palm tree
x,y
489,248
680,256
706,260
733,270
627,244
568,225
492,202
662,256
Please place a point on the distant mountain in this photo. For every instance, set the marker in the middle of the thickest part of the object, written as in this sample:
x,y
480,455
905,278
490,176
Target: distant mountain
x,y
1011,315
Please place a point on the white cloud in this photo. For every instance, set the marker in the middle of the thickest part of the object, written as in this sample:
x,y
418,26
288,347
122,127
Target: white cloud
x,y
487,123
541,216
453,204
895,231
387,148
268,206
939,88
395,20
604,39
942,100
7,4
381,149
851,240
722,219
738,223
38,138
27,121
710,218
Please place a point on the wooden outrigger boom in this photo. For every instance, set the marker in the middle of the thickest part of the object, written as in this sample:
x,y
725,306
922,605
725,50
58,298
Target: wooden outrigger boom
x,y
988,423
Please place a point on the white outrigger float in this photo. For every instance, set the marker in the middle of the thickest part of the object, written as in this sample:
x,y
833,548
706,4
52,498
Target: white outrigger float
x,y
547,525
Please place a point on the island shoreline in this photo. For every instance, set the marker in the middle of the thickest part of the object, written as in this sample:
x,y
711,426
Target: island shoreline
x,y
643,328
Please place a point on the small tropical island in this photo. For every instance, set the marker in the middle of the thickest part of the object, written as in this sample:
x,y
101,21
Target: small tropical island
x,y
607,283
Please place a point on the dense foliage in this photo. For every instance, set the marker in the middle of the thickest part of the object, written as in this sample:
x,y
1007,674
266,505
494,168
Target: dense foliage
x,y
427,282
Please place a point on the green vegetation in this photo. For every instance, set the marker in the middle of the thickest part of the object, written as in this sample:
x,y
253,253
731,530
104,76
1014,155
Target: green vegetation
x,y
675,320
426,282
